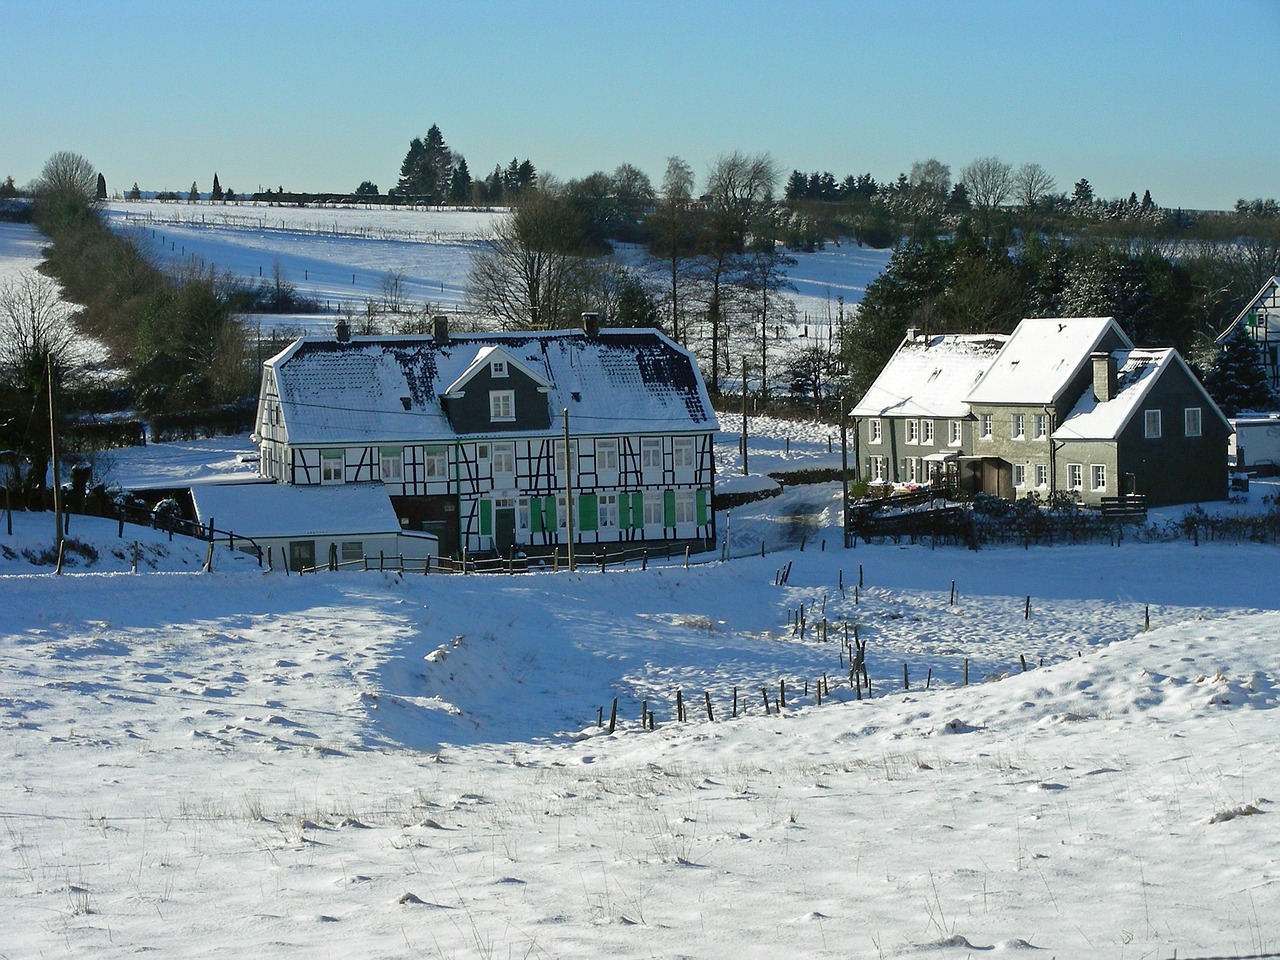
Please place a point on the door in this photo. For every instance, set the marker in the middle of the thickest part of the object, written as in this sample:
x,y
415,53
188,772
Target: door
x,y
302,553
504,530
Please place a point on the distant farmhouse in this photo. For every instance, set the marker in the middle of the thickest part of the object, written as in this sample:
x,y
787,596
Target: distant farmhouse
x,y
1061,405
1260,319
465,434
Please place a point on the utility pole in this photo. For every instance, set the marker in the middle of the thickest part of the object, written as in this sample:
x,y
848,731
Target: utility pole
x,y
844,471
53,456
568,489
744,416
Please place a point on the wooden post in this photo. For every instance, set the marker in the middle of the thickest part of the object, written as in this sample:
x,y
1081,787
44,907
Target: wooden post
x,y
1026,614
928,678
765,696
710,715
859,576
906,681
599,716
1023,660
844,480
613,715
679,704
735,701
744,422
644,714
1146,618
686,557
568,490
782,692
966,671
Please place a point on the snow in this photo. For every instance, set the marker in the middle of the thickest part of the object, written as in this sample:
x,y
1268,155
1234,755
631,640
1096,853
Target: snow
x,y
1041,357
930,376
265,510
20,248
1136,372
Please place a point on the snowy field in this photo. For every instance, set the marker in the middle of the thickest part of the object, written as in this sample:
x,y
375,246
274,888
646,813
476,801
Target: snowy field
x,y
20,246
342,256
355,765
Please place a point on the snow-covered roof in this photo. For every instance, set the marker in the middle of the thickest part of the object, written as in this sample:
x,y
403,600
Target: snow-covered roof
x,y
263,510
1268,289
1137,371
1041,358
373,389
929,376
484,357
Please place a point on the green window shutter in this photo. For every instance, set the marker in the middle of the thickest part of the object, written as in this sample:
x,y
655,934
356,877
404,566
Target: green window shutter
x,y
637,509
486,518
702,507
535,515
587,513
550,504
624,511
668,508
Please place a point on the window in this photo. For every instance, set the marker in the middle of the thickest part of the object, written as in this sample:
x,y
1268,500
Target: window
x,y
562,515
684,506
1042,475
926,431
653,509
1075,476
498,368
1041,423
522,514
1191,421
435,463
912,465
1151,424
651,453
1019,426
985,423
504,459
877,469
392,464
1098,475
606,454
331,466
913,431
874,434
682,452
1019,474
352,550
502,405
957,433
573,452
607,510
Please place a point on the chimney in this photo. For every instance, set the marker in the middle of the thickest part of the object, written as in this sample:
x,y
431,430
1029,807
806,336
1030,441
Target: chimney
x,y
342,330
440,329
1104,377
591,324
914,333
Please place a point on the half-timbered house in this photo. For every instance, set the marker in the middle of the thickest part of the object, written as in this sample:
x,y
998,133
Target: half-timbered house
x,y
466,433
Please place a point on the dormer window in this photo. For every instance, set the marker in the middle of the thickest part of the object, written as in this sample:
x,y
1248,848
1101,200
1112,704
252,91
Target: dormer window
x,y
498,368
502,405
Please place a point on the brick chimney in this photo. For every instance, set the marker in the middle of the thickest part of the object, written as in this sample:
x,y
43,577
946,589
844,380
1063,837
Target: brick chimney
x,y
440,329
1104,377
591,324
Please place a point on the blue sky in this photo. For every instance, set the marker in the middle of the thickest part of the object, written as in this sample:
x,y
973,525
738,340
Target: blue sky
x,y
1175,96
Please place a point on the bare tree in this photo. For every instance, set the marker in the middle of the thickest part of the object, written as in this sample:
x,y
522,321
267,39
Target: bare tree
x,y
674,229
1031,184
35,327
989,183
68,175
526,273
931,176
392,288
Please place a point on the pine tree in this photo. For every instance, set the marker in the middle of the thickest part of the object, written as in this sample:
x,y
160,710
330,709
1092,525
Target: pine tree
x,y
216,192
193,194
134,192
1238,381
102,187
460,182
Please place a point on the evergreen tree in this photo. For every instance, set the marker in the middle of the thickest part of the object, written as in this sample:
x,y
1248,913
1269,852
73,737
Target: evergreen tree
x,y
1083,192
797,187
102,187
216,192
193,194
408,183
134,192
460,182
1238,380
367,188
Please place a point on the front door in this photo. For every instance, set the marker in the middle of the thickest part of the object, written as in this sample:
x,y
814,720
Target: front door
x,y
302,553
504,530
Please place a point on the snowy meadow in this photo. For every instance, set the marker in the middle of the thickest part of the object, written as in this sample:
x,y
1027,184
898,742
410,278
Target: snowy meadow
x,y
1064,752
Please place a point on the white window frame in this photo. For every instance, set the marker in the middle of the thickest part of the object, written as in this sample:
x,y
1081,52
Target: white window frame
x,y
986,423
682,452
350,551
392,466
913,431
332,467
562,514
607,511
1042,475
1040,424
504,459
1075,476
684,507
875,431
435,463
522,515
607,455
1098,477
877,469
498,368
1152,425
653,508
912,465
1019,474
957,432
573,455
1018,426
1192,422
926,431
650,453
502,406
